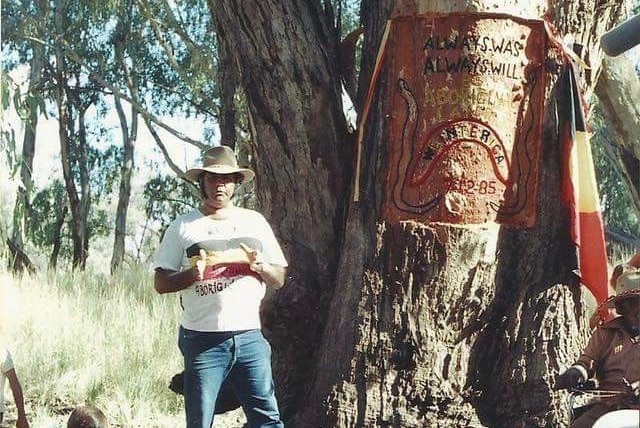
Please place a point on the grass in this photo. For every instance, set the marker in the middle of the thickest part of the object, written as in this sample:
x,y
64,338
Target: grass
x,y
87,338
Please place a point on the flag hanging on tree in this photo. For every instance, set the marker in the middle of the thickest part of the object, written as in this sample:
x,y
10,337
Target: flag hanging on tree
x,y
581,192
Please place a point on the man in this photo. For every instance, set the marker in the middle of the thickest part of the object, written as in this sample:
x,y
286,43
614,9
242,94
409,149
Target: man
x,y
612,355
7,371
220,258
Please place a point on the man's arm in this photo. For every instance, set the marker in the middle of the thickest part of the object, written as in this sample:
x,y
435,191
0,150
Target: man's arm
x,y
170,281
16,390
272,275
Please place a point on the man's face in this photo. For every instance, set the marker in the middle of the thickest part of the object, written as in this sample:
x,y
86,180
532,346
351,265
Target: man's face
x,y
219,188
630,310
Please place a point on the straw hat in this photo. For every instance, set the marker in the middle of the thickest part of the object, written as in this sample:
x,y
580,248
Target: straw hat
x,y
627,284
219,160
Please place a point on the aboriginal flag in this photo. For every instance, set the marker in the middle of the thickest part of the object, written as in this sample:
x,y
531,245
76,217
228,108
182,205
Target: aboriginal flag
x,y
580,190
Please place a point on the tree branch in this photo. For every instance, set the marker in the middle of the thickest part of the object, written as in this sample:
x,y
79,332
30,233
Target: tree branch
x,y
72,55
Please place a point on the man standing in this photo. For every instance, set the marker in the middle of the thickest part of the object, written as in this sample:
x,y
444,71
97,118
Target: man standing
x,y
7,371
221,258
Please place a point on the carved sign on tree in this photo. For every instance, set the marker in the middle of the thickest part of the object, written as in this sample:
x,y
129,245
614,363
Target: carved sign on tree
x,y
465,115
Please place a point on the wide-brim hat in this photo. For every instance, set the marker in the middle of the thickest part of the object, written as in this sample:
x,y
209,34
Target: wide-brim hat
x,y
627,285
219,160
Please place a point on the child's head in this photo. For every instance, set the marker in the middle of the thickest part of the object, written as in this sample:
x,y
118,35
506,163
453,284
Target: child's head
x,y
87,417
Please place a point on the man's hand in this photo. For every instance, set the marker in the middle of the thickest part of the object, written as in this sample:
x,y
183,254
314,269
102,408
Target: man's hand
x,y
272,275
256,263
571,378
201,264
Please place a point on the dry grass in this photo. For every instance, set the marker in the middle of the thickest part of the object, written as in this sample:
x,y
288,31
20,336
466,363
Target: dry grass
x,y
88,338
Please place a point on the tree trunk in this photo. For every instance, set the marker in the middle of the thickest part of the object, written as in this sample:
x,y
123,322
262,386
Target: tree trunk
x,y
286,54
82,163
21,209
429,323
72,154
128,144
227,80
61,215
460,325
126,170
19,261
65,125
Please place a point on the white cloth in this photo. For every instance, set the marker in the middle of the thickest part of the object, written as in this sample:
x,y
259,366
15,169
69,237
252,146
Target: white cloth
x,y
6,364
228,299
619,419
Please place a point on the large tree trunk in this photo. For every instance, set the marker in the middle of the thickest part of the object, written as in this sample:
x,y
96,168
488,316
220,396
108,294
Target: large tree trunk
x,y
429,324
227,80
286,54
459,325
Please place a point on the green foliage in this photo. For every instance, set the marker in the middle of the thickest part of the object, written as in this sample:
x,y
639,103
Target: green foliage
x,y
46,210
349,15
104,167
615,197
46,206
166,198
8,135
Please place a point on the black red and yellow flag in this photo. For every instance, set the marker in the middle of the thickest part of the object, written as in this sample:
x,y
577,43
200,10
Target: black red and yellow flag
x,y
581,191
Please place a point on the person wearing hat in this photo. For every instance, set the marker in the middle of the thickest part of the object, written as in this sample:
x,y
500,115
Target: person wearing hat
x,y
612,355
220,258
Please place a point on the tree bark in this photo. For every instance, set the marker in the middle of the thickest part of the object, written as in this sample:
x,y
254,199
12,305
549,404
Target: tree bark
x,y
227,78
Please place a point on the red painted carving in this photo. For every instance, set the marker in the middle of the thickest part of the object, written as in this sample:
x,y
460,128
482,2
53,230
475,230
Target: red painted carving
x,y
466,99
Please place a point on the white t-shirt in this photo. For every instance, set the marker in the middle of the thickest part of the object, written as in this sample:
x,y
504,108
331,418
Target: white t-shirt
x,y
6,364
228,298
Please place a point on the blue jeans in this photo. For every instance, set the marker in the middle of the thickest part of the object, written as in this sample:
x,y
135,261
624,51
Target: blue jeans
x,y
241,358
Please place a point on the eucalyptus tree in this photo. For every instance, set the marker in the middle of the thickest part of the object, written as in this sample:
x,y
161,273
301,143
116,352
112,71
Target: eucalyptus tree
x,y
23,17
124,70
400,323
